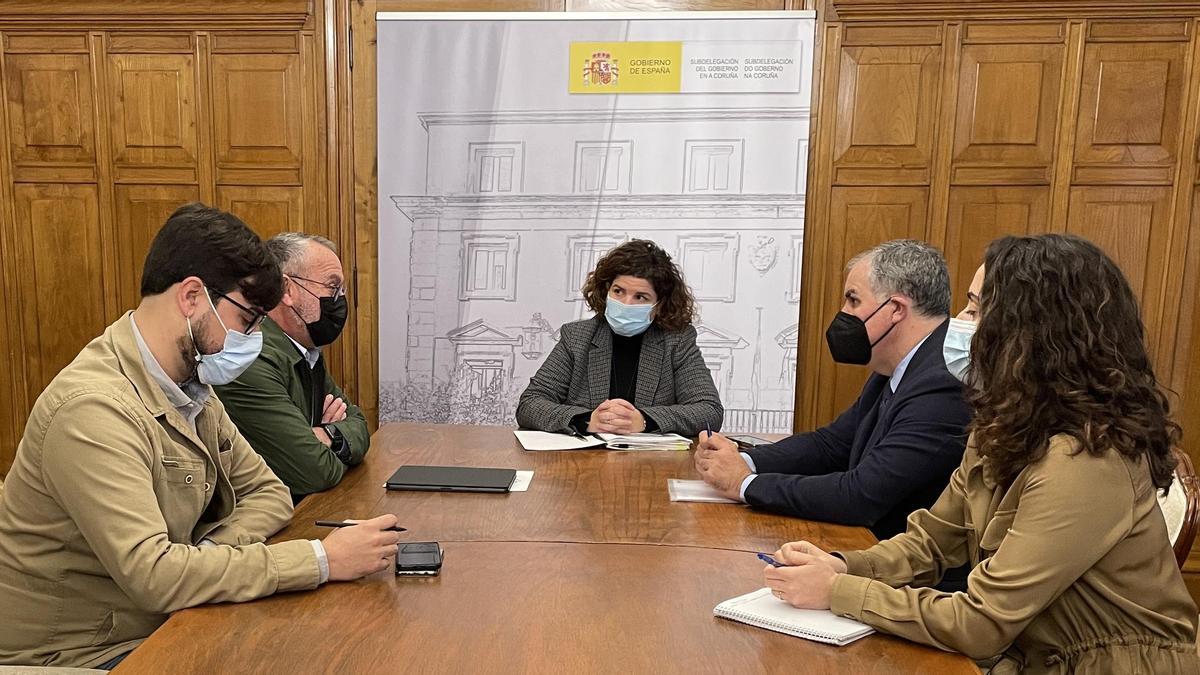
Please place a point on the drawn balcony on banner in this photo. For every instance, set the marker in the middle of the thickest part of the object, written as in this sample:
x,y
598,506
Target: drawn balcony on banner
x,y
519,205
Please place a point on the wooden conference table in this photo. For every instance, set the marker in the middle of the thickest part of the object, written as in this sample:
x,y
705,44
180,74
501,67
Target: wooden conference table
x,y
593,570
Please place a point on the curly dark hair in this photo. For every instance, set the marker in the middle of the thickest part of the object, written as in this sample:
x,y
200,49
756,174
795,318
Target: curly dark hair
x,y
646,260
1060,349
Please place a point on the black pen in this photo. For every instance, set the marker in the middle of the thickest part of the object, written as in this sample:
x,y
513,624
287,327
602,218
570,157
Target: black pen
x,y
341,523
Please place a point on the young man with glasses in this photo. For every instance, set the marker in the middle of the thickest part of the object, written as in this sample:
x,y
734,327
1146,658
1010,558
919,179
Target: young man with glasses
x,y
286,404
132,494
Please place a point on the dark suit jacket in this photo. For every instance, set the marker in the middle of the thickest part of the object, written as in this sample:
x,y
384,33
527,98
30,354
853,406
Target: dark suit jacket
x,y
674,387
273,409
872,468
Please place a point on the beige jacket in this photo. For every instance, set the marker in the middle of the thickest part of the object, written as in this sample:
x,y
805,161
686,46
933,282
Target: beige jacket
x,y
109,495
1073,571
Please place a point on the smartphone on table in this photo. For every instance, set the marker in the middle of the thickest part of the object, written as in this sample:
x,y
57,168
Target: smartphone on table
x,y
747,441
419,558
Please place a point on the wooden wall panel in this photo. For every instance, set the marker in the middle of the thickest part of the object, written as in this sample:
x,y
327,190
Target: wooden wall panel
x,y
887,98
1186,400
141,212
980,214
267,210
12,376
1006,113
1132,225
51,118
154,122
59,258
114,114
861,217
257,122
1129,113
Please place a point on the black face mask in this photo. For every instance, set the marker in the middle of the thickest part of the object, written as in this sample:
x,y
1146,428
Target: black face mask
x,y
848,339
329,325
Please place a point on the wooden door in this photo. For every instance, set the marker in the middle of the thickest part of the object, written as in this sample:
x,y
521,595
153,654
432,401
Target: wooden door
x,y
861,217
59,262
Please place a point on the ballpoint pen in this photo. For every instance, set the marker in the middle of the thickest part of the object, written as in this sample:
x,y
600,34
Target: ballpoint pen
x,y
342,523
769,560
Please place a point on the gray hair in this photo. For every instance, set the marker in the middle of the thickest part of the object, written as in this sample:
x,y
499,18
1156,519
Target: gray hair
x,y
911,268
291,248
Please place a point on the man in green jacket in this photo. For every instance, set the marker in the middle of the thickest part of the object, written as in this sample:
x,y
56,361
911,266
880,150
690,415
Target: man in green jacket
x,y
286,404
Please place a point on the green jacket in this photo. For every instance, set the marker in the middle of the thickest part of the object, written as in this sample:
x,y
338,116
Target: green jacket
x,y
271,407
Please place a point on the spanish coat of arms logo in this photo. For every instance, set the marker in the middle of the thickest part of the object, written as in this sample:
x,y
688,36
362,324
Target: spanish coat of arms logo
x,y
601,70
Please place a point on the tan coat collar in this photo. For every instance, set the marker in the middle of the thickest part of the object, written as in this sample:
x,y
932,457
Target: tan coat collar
x,y
125,347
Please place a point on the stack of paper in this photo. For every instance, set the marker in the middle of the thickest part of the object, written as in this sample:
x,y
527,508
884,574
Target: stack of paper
x,y
645,441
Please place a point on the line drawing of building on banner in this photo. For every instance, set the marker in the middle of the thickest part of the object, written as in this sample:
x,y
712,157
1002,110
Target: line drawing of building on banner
x,y
519,205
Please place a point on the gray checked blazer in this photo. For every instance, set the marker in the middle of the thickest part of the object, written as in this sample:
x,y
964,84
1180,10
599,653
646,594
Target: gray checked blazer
x,y
673,385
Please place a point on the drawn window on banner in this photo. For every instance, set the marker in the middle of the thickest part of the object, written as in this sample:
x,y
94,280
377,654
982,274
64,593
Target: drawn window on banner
x,y
787,340
583,252
717,348
603,166
709,264
797,255
489,266
496,167
485,374
713,166
801,166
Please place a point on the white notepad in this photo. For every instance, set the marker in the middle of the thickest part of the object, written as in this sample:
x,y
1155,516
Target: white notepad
x,y
545,440
764,610
695,491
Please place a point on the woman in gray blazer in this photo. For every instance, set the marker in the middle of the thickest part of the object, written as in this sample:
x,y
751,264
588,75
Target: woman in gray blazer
x,y
634,366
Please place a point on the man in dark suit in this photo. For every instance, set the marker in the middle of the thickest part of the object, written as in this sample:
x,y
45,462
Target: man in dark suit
x,y
893,451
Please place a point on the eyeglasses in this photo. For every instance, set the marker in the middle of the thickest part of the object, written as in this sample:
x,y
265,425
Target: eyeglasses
x,y
337,291
256,317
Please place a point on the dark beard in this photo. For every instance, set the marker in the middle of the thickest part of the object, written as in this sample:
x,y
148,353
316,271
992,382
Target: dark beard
x,y
184,345
188,349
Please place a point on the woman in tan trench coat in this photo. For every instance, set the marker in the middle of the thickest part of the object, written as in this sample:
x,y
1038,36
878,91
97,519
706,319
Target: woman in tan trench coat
x,y
1054,504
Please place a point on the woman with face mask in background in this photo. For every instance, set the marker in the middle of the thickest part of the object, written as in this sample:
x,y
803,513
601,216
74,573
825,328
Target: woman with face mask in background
x,y
633,367
957,347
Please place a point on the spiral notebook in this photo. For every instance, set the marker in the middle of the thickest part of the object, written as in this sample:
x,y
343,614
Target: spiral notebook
x,y
764,610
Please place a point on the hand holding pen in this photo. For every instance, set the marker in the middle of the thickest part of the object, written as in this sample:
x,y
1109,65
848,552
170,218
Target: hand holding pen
x,y
802,553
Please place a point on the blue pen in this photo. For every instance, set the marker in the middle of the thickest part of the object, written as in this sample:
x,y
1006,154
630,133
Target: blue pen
x,y
708,430
769,560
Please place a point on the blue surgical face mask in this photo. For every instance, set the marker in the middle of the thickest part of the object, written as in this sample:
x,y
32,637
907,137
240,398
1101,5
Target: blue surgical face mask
x,y
956,350
627,320
237,354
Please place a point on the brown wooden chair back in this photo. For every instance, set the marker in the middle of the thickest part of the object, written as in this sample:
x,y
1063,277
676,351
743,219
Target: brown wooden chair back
x,y
1186,478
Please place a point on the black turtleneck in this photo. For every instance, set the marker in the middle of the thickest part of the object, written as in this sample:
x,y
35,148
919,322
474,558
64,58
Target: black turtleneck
x,y
622,378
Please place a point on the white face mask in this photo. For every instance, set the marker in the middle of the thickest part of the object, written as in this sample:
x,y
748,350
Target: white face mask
x,y
956,350
237,354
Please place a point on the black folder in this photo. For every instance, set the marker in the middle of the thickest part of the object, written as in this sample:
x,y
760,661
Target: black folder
x,y
451,479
